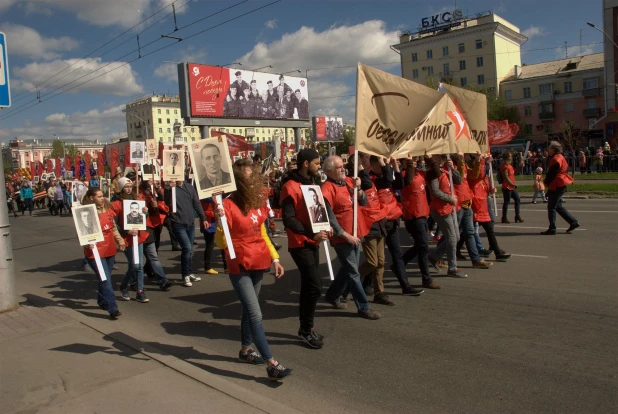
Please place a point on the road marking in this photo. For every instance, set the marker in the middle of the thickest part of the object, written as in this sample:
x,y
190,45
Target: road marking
x,y
523,227
578,211
530,255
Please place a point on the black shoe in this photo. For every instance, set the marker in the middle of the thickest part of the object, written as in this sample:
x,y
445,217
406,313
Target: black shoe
x,y
369,291
103,306
370,314
503,256
250,357
337,305
278,372
572,227
168,284
312,339
460,256
114,315
383,299
549,233
411,291
485,252
141,297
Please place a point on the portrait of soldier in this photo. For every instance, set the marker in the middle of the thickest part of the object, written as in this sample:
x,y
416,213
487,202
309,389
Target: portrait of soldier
x,y
317,211
134,216
212,172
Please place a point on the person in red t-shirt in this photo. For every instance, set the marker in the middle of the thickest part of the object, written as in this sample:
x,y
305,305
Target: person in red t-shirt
x,y
509,188
107,250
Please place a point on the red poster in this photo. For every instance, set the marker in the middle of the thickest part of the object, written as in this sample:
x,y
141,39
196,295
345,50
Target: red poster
x,y
100,165
127,158
76,160
88,159
208,86
58,168
113,164
320,128
49,166
67,163
33,169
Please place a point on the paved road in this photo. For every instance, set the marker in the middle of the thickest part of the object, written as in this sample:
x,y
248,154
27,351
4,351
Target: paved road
x,y
535,334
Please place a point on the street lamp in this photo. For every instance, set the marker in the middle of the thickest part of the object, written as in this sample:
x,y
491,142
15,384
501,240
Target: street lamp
x,y
600,30
269,66
127,113
296,70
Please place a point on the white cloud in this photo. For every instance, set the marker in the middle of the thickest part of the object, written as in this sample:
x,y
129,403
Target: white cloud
x,y
26,41
169,71
367,42
328,98
271,24
574,51
122,81
103,124
32,8
533,31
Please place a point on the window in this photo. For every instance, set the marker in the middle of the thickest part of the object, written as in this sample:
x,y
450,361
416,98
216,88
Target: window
x,y
463,82
592,103
414,73
36,154
461,48
192,129
590,83
429,54
480,79
547,107
175,111
545,89
591,122
160,120
568,107
528,129
430,70
160,130
159,111
233,131
27,163
414,57
445,51
527,111
184,130
479,44
167,111
169,130
168,120
27,154
548,127
526,92
479,62
568,87
508,95
446,69
462,65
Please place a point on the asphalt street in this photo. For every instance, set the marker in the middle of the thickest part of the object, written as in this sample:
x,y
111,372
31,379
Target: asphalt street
x,y
535,334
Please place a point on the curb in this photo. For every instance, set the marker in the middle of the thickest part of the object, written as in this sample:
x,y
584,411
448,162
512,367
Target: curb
x,y
224,386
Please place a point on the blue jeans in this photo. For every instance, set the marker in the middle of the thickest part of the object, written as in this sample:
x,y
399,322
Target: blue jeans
x,y
135,271
150,250
185,235
507,195
394,247
106,297
348,276
554,205
418,230
477,238
466,227
247,285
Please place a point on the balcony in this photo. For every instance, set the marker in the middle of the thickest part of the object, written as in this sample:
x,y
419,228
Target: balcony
x,y
591,92
546,116
592,112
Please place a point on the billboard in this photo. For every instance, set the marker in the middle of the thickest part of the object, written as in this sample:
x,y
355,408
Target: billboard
x,y
327,128
217,92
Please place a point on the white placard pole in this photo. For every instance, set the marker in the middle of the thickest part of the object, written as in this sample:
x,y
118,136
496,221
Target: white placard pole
x,y
355,192
173,199
226,230
97,259
330,266
450,179
135,251
493,185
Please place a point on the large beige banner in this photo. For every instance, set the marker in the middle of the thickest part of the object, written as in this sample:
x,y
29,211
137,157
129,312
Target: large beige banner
x,y
396,117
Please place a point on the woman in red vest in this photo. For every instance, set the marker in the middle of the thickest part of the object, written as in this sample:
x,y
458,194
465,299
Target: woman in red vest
x,y
509,188
107,250
556,181
246,212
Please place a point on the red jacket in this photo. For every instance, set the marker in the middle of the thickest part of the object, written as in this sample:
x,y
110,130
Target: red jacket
x,y
341,201
442,207
292,189
373,211
462,191
562,178
414,197
142,235
480,192
107,247
388,202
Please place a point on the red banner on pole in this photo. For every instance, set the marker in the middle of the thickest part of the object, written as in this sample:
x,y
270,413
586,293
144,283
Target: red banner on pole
x,y
87,170
67,163
100,165
113,163
127,156
76,160
49,166
58,168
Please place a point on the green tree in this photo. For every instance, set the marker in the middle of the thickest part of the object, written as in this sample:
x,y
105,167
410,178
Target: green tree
x,y
71,150
57,149
348,140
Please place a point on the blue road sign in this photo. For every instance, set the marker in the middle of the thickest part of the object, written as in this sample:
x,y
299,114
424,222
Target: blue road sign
x,y
5,88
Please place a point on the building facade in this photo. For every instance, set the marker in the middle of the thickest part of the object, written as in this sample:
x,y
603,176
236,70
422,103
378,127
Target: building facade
x,y
610,26
22,153
477,51
550,94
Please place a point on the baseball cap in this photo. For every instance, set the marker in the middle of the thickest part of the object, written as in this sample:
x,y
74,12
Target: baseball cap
x,y
306,154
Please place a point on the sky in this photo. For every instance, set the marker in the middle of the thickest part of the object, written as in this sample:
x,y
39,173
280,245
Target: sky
x,y
94,43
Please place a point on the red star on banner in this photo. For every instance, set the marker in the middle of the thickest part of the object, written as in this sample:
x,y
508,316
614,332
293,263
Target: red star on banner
x,y
461,126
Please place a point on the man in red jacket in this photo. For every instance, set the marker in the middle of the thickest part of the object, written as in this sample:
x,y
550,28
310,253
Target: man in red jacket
x,y
556,181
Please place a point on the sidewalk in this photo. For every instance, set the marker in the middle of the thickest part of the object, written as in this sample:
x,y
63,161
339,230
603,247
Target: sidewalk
x,y
55,360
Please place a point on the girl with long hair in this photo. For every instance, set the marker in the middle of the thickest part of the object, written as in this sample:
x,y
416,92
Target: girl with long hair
x,y
509,188
245,211
107,250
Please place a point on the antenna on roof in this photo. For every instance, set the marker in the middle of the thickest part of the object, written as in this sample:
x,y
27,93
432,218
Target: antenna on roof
x,y
566,51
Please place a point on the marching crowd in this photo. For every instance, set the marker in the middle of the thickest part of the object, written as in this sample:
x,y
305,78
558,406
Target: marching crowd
x,y
391,193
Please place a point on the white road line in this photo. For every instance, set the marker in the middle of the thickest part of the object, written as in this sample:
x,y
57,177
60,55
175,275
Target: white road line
x,y
576,211
530,255
523,227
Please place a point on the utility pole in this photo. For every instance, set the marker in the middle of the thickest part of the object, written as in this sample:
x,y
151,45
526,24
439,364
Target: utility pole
x,y
8,295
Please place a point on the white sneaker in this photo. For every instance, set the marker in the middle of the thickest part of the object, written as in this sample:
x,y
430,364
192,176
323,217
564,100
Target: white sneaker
x,y
194,278
186,281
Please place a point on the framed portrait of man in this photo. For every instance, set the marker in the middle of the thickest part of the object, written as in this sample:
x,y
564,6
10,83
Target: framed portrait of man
x,y
105,188
173,165
87,224
134,217
315,207
44,177
152,149
36,179
51,175
108,176
67,175
79,191
212,167
137,152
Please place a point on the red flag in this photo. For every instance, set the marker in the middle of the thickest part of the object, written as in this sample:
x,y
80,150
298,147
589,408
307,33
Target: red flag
x,y
501,132
49,165
41,169
67,163
88,160
101,165
33,169
58,168
113,163
76,160
127,150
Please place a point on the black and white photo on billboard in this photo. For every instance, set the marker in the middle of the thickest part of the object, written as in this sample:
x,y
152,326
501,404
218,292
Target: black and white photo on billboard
x,y
266,95
334,129
138,152
315,207
210,160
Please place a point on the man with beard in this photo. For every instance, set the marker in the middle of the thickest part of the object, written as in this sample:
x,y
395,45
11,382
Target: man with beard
x,y
239,84
303,105
134,216
303,244
231,105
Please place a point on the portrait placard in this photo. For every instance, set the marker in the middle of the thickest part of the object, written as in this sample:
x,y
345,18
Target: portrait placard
x,y
51,175
316,207
87,224
212,168
152,149
138,153
173,165
108,176
105,188
36,179
44,177
134,218
79,191
67,175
